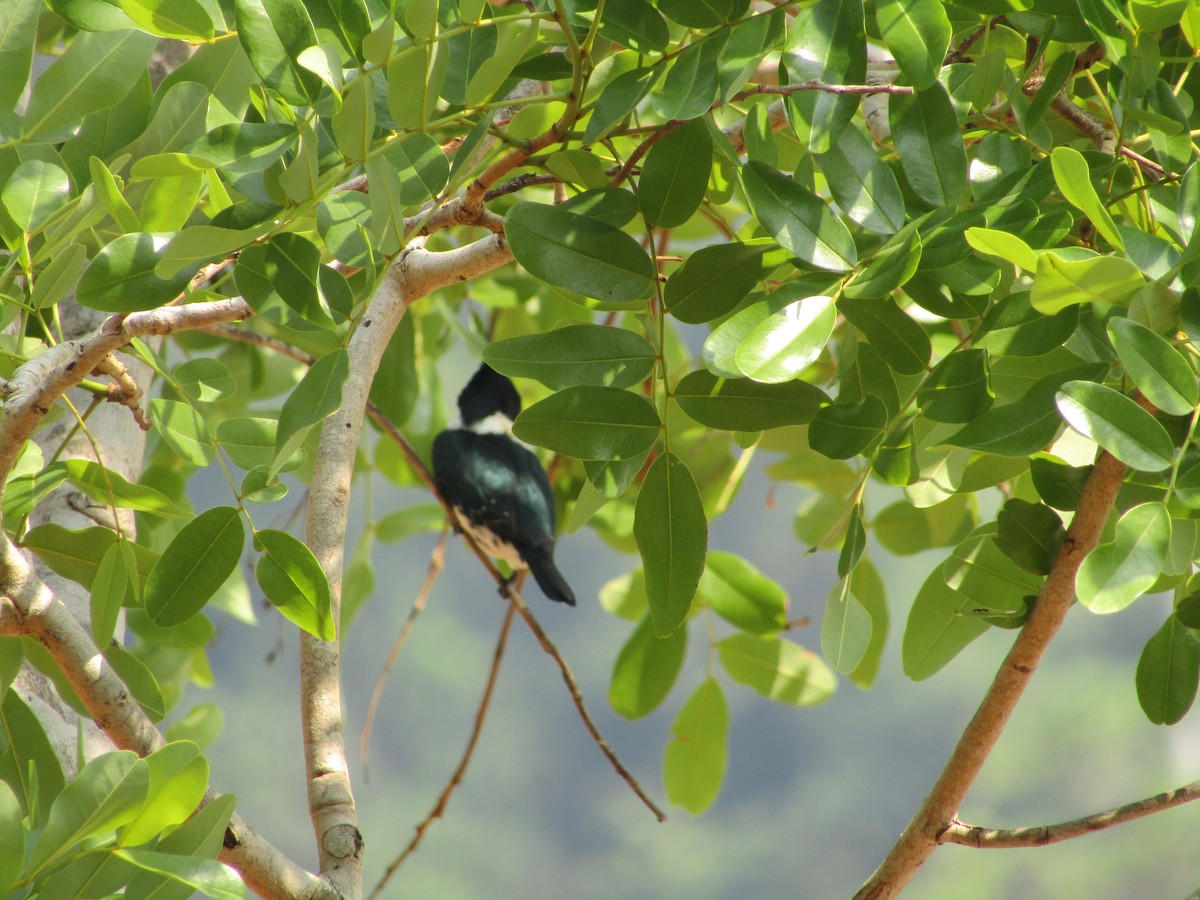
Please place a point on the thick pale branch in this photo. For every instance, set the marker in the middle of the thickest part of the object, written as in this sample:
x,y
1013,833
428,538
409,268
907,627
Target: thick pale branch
x,y
937,813
27,606
1041,835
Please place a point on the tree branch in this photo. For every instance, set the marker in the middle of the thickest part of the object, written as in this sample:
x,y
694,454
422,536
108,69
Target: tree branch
x,y
936,814
1041,835
37,385
27,606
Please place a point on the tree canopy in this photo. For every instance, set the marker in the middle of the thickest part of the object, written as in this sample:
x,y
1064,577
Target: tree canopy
x,y
932,261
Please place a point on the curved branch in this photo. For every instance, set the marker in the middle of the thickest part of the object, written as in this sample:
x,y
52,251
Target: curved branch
x,y
1041,835
936,814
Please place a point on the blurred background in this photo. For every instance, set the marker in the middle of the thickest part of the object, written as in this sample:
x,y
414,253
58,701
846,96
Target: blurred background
x,y
812,799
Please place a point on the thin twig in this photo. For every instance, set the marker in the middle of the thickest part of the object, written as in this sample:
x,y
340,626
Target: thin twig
x,y
577,696
456,779
437,561
1041,835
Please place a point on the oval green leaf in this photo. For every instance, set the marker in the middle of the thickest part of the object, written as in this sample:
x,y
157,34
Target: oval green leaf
x,y
799,220
1115,574
739,404
578,254
1157,368
194,565
1117,424
788,341
672,535
645,670
675,175
293,581
590,422
576,354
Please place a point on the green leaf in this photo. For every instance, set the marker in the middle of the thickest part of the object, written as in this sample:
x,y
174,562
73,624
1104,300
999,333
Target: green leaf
x,y
183,428
675,175
843,430
1012,327
293,581
34,191
634,24
867,588
672,536
1117,424
788,341
739,404
927,137
1116,573
845,628
905,530
1004,245
691,83
799,220
208,876
494,71
946,615
576,354
779,670
108,792
316,397
106,486
694,758
244,148
918,34
96,72
578,254
827,43
1158,369
183,20
887,269
712,281
590,422
205,380
1061,282
18,32
645,670
59,277
285,270
110,588
121,278
12,838
195,564
618,99
77,554
897,337
422,167
274,33
1074,180
862,185
958,389
1029,534
1168,672
742,595
142,684
697,13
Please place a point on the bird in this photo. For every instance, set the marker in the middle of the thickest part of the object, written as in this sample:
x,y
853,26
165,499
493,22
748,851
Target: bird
x,y
496,484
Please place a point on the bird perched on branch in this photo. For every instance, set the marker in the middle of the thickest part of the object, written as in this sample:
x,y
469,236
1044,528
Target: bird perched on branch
x,y
497,486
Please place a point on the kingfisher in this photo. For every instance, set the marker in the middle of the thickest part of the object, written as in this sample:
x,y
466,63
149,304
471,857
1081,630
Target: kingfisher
x,y
496,484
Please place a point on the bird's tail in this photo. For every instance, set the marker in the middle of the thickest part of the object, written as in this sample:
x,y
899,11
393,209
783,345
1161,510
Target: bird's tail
x,y
546,574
